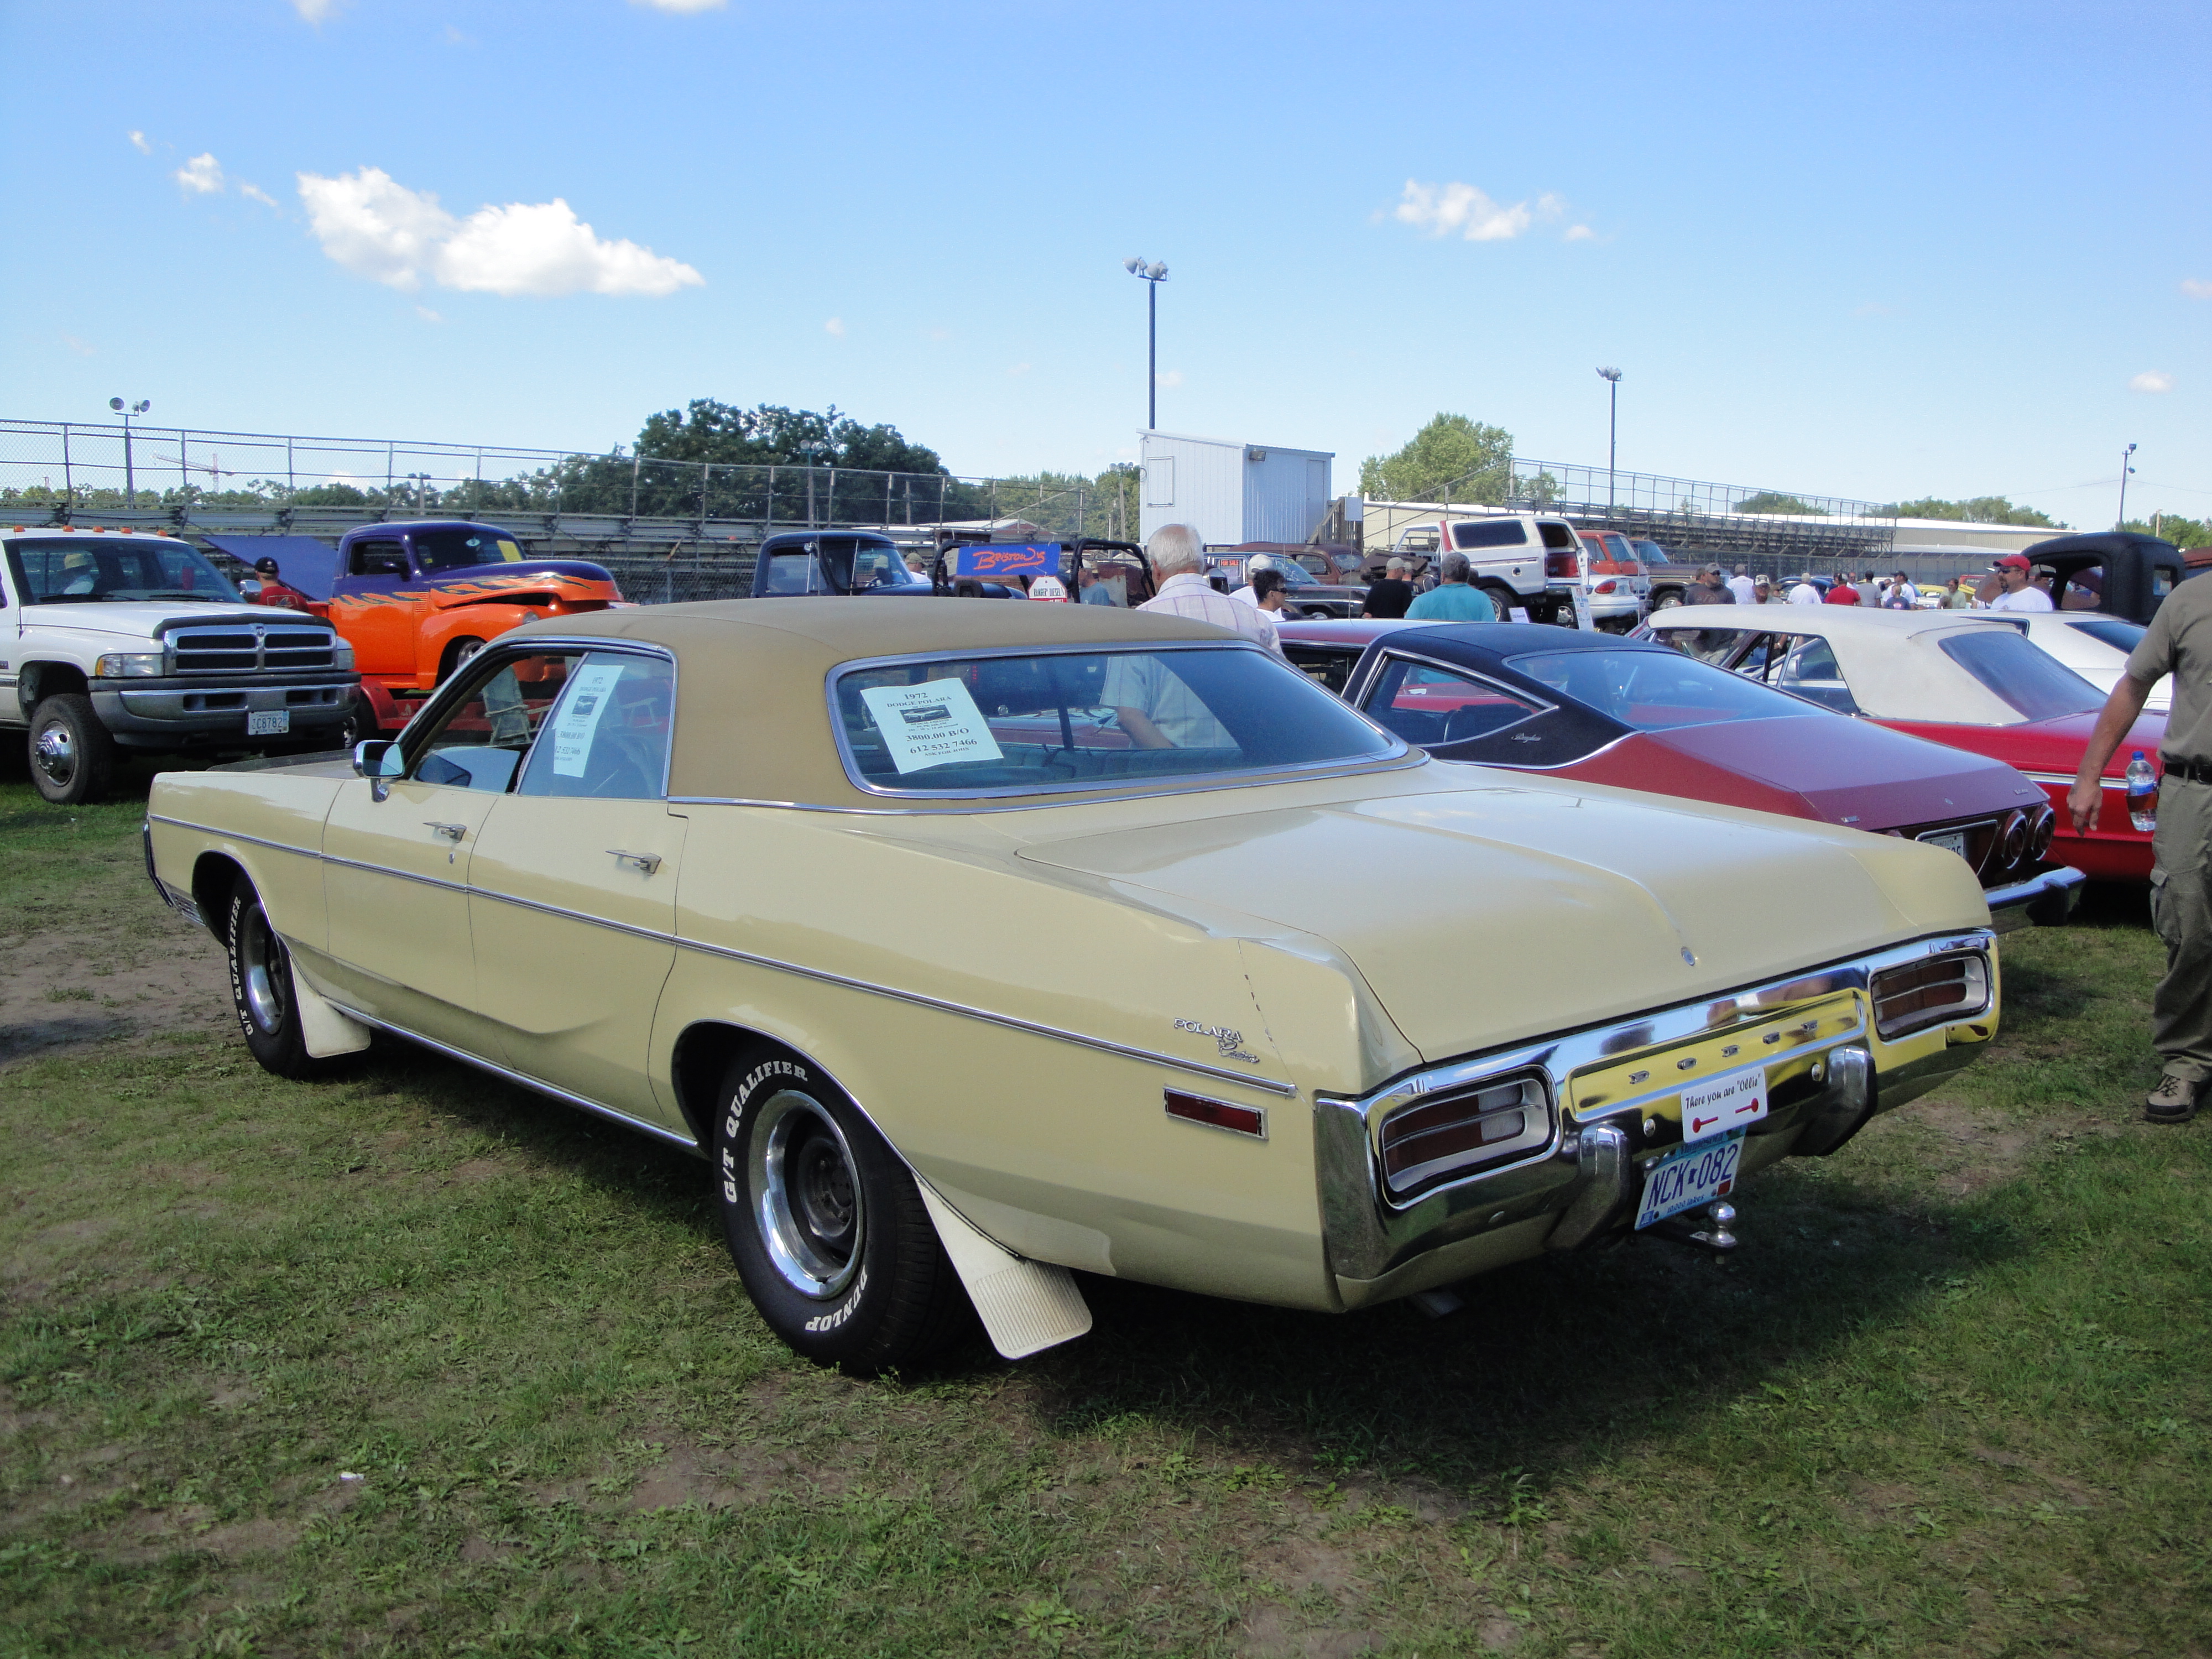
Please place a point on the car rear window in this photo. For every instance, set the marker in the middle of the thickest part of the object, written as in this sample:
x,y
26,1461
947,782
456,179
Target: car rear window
x,y
2022,675
2120,635
1041,723
1497,533
1658,690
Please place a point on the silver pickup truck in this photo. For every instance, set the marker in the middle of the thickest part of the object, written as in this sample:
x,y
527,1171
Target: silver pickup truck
x,y
111,641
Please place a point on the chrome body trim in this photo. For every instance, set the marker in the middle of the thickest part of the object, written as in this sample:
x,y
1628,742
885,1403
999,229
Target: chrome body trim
x,y
2066,779
2045,900
1266,1085
233,835
552,1090
1366,1235
1073,793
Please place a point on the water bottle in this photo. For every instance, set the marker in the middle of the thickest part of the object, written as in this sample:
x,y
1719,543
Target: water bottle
x,y
2142,793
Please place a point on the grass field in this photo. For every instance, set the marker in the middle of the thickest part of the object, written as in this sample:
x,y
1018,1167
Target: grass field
x,y
412,1362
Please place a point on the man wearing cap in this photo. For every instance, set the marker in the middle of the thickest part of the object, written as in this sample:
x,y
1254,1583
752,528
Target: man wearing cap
x,y
2014,590
2178,642
1708,589
1902,594
1388,597
273,590
1762,590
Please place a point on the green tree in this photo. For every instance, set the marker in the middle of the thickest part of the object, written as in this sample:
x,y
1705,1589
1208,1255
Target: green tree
x,y
772,435
1472,462
2182,532
1773,501
1980,509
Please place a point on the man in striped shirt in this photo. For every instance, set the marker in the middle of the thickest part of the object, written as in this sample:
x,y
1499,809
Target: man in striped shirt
x,y
1149,702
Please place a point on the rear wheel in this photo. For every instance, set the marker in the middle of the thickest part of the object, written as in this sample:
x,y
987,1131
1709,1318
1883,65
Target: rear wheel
x,y
262,993
72,756
1504,599
1667,599
826,1226
361,725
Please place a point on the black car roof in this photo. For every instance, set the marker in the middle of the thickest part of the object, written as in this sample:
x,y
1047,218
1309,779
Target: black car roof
x,y
1504,640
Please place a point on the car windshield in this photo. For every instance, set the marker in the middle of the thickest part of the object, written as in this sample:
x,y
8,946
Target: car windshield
x,y
1041,723
883,567
1652,553
457,550
2110,630
1657,690
2023,675
79,569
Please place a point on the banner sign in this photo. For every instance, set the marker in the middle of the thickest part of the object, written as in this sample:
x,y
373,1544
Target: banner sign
x,y
997,561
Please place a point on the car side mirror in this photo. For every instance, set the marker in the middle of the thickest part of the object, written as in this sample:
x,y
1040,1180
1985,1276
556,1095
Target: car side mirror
x,y
380,761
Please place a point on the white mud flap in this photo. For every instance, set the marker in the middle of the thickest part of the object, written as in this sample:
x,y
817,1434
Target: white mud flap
x,y
326,1032
1026,1306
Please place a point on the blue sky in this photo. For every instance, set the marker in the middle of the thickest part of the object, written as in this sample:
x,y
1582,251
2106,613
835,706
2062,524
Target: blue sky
x,y
1903,250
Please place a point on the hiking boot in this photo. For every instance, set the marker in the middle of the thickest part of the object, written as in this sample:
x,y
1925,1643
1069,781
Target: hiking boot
x,y
2174,1100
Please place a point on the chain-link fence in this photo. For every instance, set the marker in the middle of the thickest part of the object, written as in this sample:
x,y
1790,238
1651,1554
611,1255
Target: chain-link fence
x,y
65,470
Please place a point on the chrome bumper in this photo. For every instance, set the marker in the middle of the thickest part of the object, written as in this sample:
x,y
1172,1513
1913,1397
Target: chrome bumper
x,y
1585,1182
2043,901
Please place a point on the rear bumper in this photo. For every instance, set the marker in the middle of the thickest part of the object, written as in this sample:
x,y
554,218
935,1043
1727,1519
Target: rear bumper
x,y
2042,901
1827,1070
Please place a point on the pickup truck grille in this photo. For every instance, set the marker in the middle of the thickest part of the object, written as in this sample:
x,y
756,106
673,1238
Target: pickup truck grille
x,y
251,649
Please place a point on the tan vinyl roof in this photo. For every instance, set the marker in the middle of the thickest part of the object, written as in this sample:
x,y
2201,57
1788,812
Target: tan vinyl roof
x,y
752,716
1892,660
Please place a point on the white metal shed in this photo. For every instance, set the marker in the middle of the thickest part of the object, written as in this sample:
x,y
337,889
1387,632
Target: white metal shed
x,y
1232,492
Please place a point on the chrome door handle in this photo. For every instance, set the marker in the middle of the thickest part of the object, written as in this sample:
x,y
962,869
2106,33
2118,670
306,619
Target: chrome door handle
x,y
452,832
645,863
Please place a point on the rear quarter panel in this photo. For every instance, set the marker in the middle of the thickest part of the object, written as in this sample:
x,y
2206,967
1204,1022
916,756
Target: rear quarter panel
x,y
268,822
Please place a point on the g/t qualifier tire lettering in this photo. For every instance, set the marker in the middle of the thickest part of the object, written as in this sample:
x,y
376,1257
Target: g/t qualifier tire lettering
x,y
262,993
826,1225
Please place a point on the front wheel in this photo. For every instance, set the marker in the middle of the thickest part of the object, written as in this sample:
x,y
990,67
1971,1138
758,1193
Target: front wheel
x,y
826,1226
262,993
457,655
1667,601
72,756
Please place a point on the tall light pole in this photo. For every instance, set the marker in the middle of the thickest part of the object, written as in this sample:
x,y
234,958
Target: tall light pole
x,y
2125,470
421,480
130,482
1612,378
1153,275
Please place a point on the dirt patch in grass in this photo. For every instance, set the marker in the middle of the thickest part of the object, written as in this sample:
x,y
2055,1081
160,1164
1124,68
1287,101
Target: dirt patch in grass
x,y
111,978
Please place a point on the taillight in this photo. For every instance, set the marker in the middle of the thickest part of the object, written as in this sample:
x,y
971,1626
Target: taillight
x,y
1924,994
2015,846
1605,587
1492,1123
1562,565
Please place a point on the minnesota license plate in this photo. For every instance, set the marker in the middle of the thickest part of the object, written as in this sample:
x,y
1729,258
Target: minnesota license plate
x,y
1951,840
268,722
1688,1176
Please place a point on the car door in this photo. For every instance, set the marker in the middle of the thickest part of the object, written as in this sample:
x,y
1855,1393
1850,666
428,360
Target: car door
x,y
398,852
376,606
573,887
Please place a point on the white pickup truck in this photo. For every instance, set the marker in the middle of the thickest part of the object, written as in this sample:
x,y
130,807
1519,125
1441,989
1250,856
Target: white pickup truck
x,y
114,641
1529,560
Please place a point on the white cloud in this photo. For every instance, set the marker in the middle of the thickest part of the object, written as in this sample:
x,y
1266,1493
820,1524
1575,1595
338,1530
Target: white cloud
x,y
2194,288
377,227
940,333
1442,209
255,193
834,328
1169,377
1871,308
1020,369
427,315
314,11
1579,233
78,346
2152,379
139,143
203,175
683,7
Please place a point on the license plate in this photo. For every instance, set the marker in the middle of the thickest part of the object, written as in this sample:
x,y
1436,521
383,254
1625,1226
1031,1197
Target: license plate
x,y
268,723
1734,1102
1951,840
1688,1176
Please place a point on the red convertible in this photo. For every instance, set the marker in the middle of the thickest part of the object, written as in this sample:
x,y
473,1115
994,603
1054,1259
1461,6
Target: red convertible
x,y
1968,679
1638,715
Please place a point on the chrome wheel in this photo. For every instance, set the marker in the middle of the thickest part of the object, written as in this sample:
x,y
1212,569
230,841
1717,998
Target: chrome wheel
x,y
806,1196
264,972
54,751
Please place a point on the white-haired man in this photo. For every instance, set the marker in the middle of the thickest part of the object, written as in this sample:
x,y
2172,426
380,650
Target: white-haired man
x,y
1156,710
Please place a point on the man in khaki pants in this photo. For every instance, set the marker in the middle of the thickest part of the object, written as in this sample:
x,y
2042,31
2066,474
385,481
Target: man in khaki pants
x,y
2178,642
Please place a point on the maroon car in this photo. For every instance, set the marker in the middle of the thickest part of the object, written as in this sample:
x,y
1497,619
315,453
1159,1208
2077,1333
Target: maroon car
x,y
1640,715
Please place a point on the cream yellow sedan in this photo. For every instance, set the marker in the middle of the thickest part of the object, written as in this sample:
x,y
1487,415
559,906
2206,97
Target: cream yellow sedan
x,y
974,942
